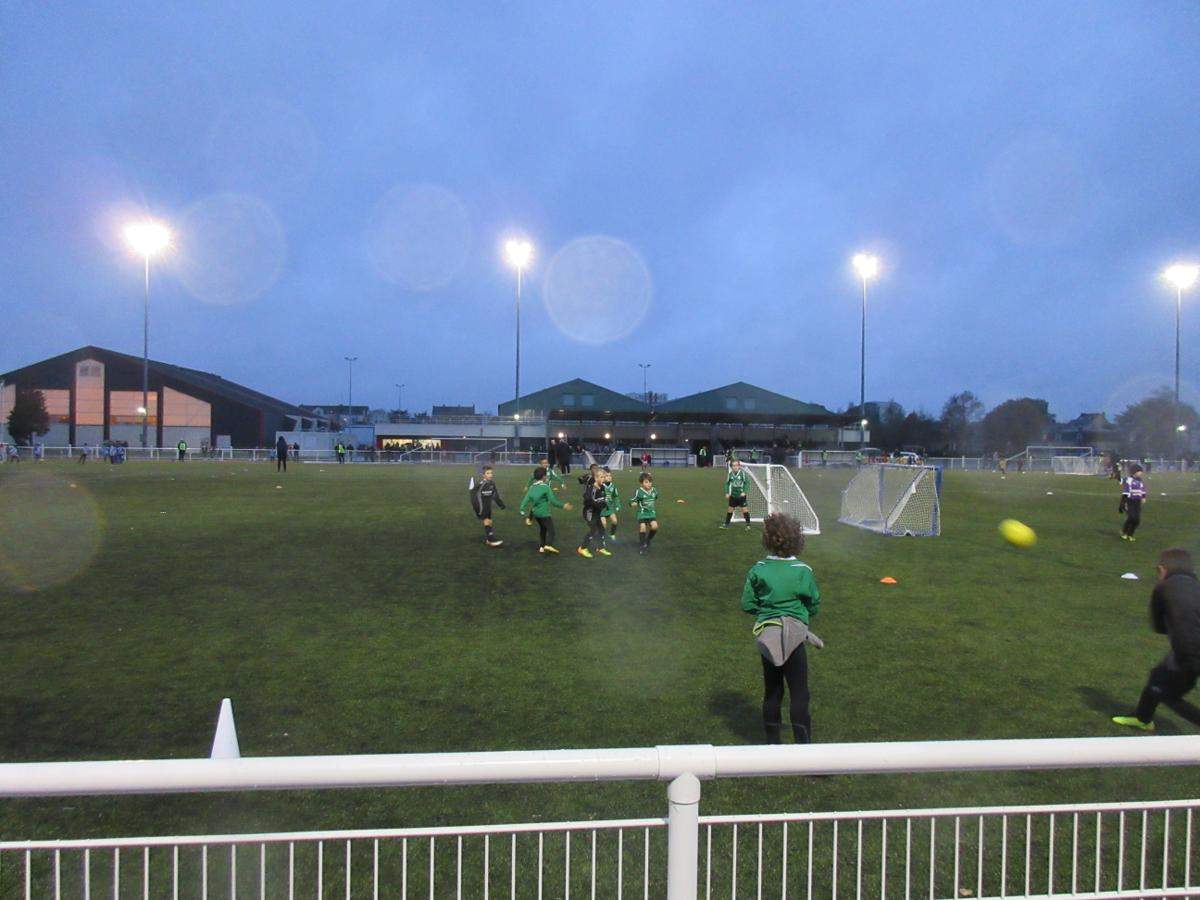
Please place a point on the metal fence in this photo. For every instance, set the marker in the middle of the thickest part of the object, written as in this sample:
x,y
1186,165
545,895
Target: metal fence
x,y
1085,850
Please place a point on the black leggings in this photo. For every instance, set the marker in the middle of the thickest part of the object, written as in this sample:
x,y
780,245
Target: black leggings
x,y
1133,516
280,462
546,527
793,673
1168,682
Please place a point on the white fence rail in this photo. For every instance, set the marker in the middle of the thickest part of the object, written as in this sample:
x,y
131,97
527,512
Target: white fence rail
x,y
1095,850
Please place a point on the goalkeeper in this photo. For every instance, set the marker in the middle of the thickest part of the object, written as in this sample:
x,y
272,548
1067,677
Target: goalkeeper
x,y
736,483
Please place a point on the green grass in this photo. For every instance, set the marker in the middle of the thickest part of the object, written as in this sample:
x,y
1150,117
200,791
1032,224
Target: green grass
x,y
356,610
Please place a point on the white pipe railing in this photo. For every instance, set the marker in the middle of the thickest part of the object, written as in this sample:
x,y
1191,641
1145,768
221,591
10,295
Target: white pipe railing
x,y
684,766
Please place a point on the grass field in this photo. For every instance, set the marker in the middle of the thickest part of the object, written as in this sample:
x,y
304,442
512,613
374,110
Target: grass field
x,y
355,610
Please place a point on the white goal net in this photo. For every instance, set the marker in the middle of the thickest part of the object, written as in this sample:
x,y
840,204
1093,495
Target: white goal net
x,y
1076,465
616,460
774,490
889,499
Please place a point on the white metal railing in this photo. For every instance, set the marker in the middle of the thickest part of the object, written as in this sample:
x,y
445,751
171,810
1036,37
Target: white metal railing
x,y
1161,831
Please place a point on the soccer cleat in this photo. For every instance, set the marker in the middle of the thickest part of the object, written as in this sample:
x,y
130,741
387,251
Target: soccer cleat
x,y
726,525
550,549
1132,539
541,549
1133,722
584,552
604,551
493,543
1124,536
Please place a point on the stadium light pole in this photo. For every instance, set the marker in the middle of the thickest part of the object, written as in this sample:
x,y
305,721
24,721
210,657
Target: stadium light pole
x,y
867,267
147,238
518,253
399,397
350,388
1183,276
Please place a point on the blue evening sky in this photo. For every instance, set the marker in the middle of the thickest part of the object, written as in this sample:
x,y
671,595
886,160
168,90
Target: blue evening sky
x,y
694,176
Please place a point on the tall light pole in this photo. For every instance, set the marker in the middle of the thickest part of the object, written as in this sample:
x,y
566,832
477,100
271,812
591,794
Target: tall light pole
x,y
867,267
147,238
399,397
350,360
518,253
1183,276
645,391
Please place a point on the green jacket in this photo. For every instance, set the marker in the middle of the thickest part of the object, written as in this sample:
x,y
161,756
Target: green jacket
x,y
551,478
538,500
780,587
612,498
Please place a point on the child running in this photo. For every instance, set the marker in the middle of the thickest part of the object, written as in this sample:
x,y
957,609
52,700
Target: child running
x,y
612,503
782,595
1133,495
536,504
593,506
736,483
644,498
483,494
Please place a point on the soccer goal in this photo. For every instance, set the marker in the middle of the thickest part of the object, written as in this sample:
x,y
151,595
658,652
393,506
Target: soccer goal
x,y
1077,465
616,460
774,490
891,499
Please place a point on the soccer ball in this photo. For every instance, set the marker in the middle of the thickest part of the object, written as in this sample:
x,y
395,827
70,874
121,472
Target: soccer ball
x,y
1017,533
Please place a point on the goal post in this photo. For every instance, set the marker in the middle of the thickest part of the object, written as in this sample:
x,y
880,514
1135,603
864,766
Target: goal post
x,y
616,460
1076,465
893,499
773,490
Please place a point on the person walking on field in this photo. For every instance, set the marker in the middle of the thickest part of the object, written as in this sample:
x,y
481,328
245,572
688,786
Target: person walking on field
x,y
281,453
782,595
1175,612
181,447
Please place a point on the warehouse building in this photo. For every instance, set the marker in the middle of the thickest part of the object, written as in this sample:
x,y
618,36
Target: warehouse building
x,y
94,395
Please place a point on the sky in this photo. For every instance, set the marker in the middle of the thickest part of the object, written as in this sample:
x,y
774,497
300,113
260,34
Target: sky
x,y
694,177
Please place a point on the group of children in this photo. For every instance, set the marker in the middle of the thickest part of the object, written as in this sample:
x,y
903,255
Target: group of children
x,y
601,506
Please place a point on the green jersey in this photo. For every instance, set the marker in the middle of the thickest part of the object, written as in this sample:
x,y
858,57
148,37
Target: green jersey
x,y
551,478
776,587
612,499
736,483
538,499
644,500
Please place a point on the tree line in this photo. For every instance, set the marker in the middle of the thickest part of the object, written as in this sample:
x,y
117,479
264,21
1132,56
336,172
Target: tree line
x,y
1148,427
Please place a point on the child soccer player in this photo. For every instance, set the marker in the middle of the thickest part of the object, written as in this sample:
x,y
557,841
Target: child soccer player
x,y
612,503
536,504
1175,612
593,506
552,478
483,495
644,498
736,483
782,595
1133,495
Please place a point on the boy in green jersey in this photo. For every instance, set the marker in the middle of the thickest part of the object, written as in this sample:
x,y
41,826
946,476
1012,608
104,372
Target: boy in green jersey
x,y
612,503
782,595
644,498
552,478
536,504
736,483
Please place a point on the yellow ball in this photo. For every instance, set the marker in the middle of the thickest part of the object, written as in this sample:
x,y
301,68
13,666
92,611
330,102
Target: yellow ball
x,y
1017,533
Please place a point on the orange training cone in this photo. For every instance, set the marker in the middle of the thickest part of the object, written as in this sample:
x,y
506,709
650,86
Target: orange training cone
x,y
888,579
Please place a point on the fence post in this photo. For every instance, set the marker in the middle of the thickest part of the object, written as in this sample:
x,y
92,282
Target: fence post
x,y
683,832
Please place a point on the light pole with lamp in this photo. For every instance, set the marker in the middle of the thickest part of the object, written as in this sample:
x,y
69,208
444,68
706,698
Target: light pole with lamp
x,y
1183,276
147,238
350,360
867,267
399,398
518,253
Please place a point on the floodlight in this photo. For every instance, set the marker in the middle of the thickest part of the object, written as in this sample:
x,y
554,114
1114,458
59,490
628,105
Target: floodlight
x,y
147,237
516,417
1182,275
607,436
653,436
866,265
518,253
561,435
1181,428
141,410
864,423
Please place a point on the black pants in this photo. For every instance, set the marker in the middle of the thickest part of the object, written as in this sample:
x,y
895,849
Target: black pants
x,y
1133,518
280,461
595,530
1168,681
546,529
793,673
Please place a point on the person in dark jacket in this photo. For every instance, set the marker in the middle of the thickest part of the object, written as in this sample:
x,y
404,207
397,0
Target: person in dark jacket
x,y
281,453
1175,612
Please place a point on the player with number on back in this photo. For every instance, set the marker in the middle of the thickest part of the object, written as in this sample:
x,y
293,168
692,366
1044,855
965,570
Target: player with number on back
x,y
645,498
736,484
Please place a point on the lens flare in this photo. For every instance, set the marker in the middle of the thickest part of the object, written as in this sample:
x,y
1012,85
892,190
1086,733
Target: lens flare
x,y
597,289
50,530
419,236
232,249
